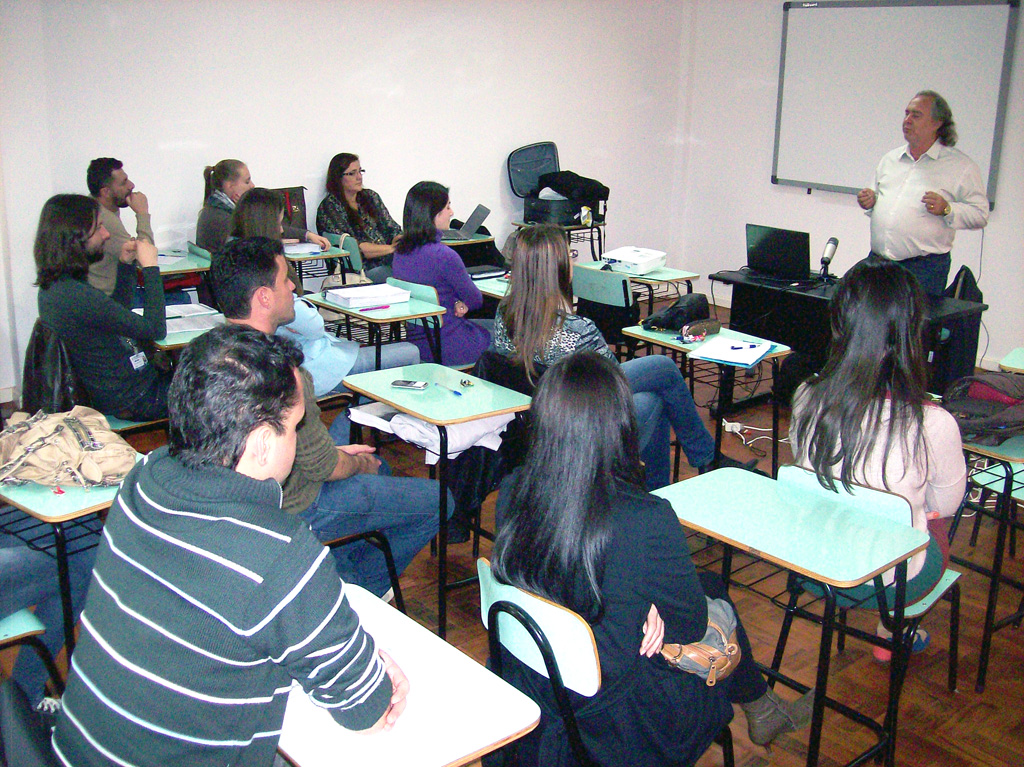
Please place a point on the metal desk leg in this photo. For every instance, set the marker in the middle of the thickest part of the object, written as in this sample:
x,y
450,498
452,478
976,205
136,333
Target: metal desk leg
x,y
380,340
1004,508
442,535
898,665
726,377
64,579
433,334
298,271
689,285
775,421
821,682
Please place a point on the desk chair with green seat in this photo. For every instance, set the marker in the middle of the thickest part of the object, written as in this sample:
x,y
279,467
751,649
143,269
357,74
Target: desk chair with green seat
x,y
553,641
354,260
24,628
607,298
868,501
426,293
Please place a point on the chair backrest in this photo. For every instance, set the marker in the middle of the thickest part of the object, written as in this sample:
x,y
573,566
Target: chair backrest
x,y
49,382
570,637
419,292
195,250
350,245
602,287
606,298
880,503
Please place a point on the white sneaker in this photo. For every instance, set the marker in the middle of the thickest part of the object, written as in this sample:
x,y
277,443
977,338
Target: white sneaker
x,y
389,595
49,706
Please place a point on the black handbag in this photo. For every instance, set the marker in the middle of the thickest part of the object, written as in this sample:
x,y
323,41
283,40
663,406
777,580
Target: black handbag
x,y
687,309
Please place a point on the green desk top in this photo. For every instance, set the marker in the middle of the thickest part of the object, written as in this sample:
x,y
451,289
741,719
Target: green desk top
x,y
331,252
792,527
653,277
434,404
410,310
474,239
178,340
1011,451
1014,361
44,504
190,263
670,340
495,287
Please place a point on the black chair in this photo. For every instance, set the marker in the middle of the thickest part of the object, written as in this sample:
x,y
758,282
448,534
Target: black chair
x,y
378,540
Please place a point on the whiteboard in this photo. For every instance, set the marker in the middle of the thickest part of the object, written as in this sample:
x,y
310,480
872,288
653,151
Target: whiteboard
x,y
848,70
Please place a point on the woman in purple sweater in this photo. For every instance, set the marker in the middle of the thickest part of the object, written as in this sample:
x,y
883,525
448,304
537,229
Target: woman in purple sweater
x,y
420,257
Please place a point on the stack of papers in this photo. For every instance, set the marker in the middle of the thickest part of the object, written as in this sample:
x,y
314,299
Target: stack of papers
x,y
367,295
185,317
732,351
301,249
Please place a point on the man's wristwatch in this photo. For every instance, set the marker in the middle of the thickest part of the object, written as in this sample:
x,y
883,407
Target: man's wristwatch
x,y
947,210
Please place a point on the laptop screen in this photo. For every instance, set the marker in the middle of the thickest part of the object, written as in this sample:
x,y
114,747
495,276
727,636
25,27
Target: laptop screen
x,y
778,253
474,221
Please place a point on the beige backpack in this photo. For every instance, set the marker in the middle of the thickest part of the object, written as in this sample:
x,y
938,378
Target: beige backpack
x,y
72,448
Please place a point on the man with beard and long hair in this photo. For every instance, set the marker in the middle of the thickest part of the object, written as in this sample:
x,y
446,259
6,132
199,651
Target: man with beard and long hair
x,y
101,332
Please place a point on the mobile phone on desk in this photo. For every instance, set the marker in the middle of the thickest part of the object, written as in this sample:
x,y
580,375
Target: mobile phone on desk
x,y
403,384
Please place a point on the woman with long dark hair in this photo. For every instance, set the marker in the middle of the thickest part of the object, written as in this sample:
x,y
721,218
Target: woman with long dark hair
x,y
351,209
535,326
224,185
578,528
421,257
866,418
260,213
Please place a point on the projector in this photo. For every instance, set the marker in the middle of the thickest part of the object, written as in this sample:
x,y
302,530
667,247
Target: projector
x,y
634,260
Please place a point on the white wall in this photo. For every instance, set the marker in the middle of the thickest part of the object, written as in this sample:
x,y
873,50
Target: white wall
x,y
670,103
728,144
421,90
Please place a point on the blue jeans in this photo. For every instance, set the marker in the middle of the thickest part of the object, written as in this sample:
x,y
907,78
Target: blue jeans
x,y
29,577
403,508
658,375
932,271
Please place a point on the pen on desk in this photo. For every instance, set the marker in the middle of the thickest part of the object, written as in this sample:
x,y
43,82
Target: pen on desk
x,y
374,308
743,346
453,391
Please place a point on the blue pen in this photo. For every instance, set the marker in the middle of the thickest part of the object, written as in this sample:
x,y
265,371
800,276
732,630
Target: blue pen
x,y
748,346
453,391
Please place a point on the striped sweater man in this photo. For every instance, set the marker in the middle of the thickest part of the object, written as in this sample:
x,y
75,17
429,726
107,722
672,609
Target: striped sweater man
x,y
207,604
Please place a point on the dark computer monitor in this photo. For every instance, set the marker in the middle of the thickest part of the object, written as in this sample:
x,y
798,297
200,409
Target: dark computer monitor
x,y
778,253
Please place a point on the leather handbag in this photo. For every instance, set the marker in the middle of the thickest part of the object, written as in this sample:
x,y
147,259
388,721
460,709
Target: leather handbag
x,y
687,308
72,448
715,656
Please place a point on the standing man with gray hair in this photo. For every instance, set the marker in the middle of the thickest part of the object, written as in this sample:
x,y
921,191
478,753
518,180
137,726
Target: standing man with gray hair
x,y
110,186
923,192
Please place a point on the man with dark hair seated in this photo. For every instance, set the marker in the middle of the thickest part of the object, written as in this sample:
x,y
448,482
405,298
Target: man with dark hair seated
x,y
337,488
208,602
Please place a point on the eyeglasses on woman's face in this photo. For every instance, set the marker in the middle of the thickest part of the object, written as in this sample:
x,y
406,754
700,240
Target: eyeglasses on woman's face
x,y
357,172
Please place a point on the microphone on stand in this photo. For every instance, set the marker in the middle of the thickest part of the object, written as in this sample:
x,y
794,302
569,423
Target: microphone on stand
x,y
827,255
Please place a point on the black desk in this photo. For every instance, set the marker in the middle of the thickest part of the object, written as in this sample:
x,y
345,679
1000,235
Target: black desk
x,y
798,316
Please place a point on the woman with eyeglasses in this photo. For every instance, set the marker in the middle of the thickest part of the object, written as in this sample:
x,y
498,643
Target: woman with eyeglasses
x,y
350,209
535,326
225,183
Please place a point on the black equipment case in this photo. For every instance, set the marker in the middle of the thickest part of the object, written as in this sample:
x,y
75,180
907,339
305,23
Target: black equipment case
x,y
527,165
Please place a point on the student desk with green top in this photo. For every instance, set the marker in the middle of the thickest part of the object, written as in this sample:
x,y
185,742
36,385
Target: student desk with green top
x,y
442,408
819,539
187,263
494,287
177,340
726,376
1004,476
413,309
661,277
300,258
72,515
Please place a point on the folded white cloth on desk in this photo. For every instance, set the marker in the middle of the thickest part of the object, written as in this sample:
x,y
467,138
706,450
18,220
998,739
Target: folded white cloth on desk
x,y
461,436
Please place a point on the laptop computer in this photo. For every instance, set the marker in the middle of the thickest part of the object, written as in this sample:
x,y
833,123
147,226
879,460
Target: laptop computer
x,y
778,253
469,228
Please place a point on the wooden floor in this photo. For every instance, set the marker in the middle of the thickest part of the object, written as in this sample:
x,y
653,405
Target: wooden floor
x,y
936,727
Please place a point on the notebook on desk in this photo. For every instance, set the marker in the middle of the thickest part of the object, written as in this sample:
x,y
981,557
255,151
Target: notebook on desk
x,y
469,228
779,254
